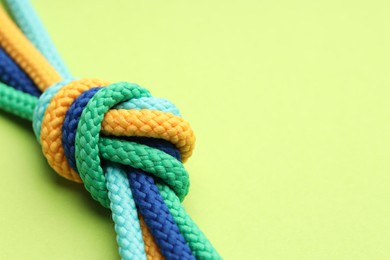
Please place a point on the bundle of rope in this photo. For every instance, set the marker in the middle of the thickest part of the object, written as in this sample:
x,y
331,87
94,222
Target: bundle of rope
x,y
125,145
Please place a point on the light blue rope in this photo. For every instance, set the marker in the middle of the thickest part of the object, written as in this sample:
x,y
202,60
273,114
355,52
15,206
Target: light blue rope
x,y
27,19
124,214
151,103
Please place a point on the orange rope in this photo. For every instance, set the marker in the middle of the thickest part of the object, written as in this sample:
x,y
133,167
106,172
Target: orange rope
x,y
151,123
151,248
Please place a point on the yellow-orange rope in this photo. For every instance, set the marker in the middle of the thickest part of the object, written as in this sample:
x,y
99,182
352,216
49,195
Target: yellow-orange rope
x,y
151,248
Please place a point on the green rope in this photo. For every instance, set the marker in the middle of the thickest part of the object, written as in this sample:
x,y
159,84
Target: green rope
x,y
17,102
198,242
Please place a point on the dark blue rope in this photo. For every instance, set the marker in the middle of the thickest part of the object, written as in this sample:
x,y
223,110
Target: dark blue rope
x,y
12,75
152,207
146,195
157,216
69,127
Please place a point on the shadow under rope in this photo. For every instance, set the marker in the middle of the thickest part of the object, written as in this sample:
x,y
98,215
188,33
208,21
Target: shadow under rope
x,y
51,177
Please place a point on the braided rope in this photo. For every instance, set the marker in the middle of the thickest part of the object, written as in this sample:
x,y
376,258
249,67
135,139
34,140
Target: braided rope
x,y
120,109
124,213
71,121
150,245
11,74
17,102
157,217
43,103
151,123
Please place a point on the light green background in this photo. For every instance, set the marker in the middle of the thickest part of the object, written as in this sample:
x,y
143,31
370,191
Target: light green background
x,y
290,103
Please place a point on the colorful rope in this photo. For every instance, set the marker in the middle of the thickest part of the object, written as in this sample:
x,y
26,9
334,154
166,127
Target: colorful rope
x,y
27,20
90,128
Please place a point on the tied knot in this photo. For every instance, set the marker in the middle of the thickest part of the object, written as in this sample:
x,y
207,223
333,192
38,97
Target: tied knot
x,y
81,123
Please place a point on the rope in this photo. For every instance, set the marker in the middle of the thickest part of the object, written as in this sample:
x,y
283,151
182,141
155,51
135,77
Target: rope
x,y
150,245
11,74
157,217
17,102
88,127
43,103
69,127
124,214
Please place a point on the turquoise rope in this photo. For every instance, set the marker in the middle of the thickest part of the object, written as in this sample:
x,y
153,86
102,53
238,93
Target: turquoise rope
x,y
124,213
27,20
151,103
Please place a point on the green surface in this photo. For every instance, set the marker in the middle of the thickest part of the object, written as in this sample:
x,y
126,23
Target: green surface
x,y
290,103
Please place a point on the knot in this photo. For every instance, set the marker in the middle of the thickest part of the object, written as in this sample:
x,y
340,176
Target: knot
x,y
82,123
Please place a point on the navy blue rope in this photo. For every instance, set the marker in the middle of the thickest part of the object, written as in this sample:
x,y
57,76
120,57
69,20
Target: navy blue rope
x,y
12,75
146,195
152,207
69,127
157,216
